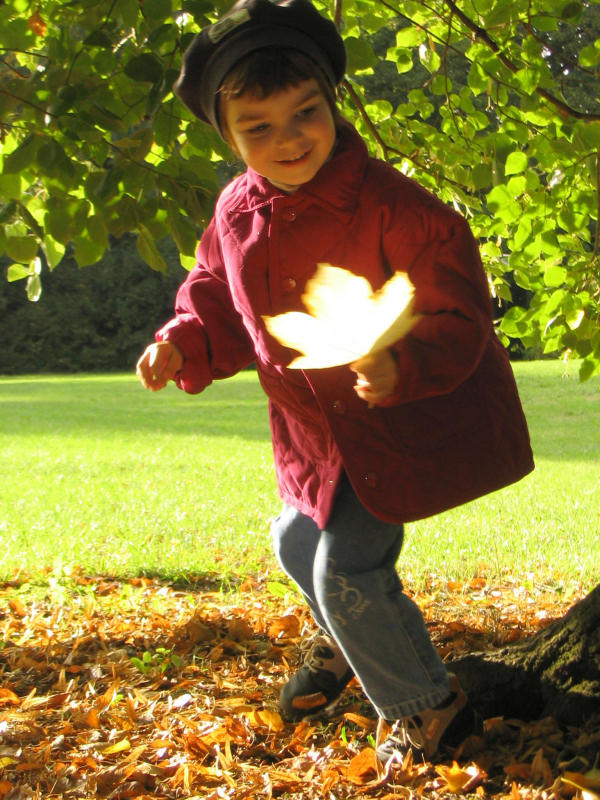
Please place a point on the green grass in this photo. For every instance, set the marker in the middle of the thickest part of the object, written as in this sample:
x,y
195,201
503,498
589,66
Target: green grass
x,y
548,524
100,474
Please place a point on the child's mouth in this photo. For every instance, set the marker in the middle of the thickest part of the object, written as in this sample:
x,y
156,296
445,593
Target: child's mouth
x,y
293,161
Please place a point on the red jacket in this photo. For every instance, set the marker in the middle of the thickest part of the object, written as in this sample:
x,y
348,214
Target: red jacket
x,y
454,429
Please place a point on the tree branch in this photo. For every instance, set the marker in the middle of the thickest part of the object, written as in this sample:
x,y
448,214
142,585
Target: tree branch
x,y
369,122
26,102
386,148
337,15
482,35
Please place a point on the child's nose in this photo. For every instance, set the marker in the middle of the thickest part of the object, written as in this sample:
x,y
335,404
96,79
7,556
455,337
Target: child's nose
x,y
289,133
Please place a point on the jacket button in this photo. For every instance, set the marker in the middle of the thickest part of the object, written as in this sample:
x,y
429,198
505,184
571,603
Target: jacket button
x,y
289,214
288,285
371,479
339,406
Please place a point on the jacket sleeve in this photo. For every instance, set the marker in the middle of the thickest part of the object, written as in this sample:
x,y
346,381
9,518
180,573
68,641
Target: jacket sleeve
x,y
207,328
437,249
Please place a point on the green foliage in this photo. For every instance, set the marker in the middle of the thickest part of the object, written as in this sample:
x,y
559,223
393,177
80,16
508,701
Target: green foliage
x,y
493,106
161,661
88,320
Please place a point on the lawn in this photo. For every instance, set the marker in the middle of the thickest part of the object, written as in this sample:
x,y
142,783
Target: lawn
x,y
100,474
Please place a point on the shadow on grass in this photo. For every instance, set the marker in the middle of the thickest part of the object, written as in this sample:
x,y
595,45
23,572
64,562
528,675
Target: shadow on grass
x,y
115,405
563,414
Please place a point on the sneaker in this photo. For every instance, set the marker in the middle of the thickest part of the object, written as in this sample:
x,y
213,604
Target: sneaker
x,y
319,681
429,732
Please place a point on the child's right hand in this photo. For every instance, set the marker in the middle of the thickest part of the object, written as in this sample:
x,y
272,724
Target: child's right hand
x,y
159,364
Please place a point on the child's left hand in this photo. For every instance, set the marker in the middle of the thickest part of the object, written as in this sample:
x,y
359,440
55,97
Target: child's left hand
x,y
376,376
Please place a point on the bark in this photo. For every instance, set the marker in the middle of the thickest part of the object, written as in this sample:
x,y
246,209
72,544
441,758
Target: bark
x,y
555,672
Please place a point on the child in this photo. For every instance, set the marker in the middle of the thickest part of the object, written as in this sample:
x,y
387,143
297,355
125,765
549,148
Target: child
x,y
431,423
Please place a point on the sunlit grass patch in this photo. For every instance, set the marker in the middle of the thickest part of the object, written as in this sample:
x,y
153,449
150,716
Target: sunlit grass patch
x,y
100,474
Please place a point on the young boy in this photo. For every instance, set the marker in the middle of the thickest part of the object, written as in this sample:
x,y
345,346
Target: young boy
x,y
430,423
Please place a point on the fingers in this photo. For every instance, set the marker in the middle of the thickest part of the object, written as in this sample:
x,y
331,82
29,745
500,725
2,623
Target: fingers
x,y
376,376
159,364
145,370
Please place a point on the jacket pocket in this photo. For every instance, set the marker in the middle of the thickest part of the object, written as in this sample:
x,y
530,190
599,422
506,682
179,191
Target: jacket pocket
x,y
423,426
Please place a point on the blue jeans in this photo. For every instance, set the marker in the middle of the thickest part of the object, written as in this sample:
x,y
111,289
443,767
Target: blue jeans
x,y
348,577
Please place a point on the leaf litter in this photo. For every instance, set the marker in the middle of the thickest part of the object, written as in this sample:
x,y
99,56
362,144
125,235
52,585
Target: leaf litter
x,y
143,689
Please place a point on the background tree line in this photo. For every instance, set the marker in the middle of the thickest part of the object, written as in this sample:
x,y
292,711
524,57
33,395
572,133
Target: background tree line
x,y
89,320
495,107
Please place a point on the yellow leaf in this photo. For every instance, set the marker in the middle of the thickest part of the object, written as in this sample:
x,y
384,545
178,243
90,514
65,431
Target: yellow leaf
x,y
32,703
265,718
158,744
460,780
346,320
117,747
576,779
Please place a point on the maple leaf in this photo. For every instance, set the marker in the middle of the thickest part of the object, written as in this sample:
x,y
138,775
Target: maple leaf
x,y
346,319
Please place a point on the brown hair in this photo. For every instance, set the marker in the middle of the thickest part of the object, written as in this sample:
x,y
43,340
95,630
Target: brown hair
x,y
269,70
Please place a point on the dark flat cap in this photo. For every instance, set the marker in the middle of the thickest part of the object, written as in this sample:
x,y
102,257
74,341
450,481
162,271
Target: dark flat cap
x,y
252,25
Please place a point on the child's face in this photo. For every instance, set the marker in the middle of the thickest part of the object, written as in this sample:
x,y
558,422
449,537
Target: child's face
x,y
286,137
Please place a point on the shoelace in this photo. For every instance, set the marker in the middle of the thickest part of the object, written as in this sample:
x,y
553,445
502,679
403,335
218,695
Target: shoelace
x,y
323,654
400,737
320,652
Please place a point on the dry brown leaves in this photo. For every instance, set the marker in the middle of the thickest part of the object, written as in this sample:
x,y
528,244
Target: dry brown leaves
x,y
144,690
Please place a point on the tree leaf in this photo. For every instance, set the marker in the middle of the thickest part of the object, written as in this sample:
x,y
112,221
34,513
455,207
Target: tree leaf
x,y
23,155
34,288
145,68
516,163
149,251
360,54
17,272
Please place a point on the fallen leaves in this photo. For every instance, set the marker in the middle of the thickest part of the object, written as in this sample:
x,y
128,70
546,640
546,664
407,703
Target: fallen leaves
x,y
143,690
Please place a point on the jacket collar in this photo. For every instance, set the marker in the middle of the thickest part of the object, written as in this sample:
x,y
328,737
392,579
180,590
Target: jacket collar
x,y
335,187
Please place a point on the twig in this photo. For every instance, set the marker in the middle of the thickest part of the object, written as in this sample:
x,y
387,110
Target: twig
x,y
386,148
597,240
337,16
480,33
369,122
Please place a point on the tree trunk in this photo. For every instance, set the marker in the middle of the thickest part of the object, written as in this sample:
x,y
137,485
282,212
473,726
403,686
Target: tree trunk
x,y
555,672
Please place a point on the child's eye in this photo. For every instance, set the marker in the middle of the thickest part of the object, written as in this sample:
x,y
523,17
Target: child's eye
x,y
258,129
306,112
